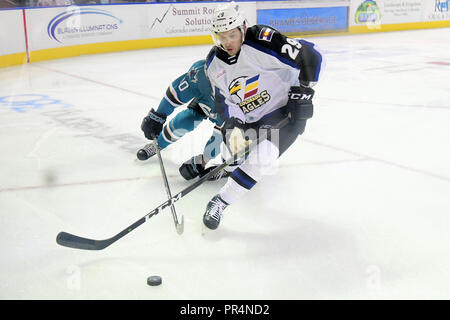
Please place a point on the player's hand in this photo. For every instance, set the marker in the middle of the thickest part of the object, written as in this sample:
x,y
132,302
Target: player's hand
x,y
300,104
152,124
233,135
237,141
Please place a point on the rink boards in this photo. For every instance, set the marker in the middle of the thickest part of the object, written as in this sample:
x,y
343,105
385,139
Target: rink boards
x,y
35,34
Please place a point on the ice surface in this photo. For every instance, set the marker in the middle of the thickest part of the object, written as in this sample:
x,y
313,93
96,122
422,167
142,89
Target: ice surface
x,y
358,208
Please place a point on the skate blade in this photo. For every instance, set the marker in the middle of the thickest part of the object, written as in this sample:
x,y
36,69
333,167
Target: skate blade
x,y
204,229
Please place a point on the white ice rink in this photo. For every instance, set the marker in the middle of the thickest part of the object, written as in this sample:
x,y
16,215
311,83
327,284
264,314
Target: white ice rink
x,y
359,207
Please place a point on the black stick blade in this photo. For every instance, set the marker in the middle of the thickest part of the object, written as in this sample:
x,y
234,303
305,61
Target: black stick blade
x,y
72,241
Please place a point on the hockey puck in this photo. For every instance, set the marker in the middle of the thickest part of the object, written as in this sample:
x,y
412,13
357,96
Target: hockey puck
x,y
154,280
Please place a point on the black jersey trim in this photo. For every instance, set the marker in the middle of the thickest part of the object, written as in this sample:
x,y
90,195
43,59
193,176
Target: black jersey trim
x,y
271,52
317,54
221,105
172,98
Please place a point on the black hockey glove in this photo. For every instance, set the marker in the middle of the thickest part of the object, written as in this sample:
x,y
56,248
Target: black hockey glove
x,y
300,103
233,135
192,168
229,125
152,124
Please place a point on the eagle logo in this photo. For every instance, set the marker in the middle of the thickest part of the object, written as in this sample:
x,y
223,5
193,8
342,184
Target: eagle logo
x,y
247,90
236,87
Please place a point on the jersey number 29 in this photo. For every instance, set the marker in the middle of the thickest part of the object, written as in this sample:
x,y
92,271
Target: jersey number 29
x,y
292,48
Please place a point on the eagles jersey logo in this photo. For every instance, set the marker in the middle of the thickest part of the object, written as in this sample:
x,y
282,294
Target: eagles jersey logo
x,y
246,90
236,86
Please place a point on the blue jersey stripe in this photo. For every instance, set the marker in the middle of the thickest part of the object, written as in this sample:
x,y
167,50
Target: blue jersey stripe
x,y
243,179
221,106
252,79
210,60
317,54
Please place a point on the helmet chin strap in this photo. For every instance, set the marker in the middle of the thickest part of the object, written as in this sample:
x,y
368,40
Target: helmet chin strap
x,y
244,26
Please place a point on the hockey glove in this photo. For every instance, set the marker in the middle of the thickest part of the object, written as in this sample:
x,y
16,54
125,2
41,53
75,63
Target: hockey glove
x,y
300,103
192,168
195,167
233,135
152,124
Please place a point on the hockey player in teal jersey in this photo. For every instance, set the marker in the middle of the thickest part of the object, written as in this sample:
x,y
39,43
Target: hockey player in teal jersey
x,y
195,86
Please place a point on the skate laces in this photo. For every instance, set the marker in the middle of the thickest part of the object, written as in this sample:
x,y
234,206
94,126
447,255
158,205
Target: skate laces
x,y
196,161
219,175
150,149
217,206
194,167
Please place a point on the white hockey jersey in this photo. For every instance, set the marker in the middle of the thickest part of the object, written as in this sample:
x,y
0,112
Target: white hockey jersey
x,y
257,80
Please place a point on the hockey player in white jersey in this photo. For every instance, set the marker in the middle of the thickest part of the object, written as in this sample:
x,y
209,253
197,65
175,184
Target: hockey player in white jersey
x,y
260,77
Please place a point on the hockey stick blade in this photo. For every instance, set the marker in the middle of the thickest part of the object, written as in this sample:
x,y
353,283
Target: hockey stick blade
x,y
72,241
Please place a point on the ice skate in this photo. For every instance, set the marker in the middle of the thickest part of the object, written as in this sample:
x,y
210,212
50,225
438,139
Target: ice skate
x,y
148,151
213,213
219,175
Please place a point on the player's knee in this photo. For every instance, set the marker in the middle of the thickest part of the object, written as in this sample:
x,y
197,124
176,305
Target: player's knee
x,y
267,152
185,121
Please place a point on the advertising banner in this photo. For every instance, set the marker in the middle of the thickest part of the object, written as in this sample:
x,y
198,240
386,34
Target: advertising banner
x,y
295,4
75,25
436,10
366,12
12,34
305,20
187,19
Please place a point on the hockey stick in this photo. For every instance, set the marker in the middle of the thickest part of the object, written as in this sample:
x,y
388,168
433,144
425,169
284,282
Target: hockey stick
x,y
73,241
178,225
